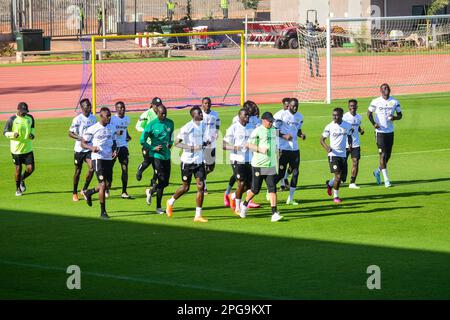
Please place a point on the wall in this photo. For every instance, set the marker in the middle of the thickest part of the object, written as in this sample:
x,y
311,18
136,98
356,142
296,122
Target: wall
x,y
404,8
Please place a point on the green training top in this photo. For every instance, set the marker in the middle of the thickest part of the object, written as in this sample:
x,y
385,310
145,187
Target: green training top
x,y
24,126
160,133
145,118
265,138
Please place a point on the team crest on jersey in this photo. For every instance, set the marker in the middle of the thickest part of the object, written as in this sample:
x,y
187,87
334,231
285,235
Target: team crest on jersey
x,y
281,167
76,161
238,176
380,151
334,167
100,177
391,103
184,178
257,174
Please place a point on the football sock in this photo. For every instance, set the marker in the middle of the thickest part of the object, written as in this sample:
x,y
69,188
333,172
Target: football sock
x,y
227,192
336,193
171,201
75,188
90,192
17,184
353,180
198,212
159,196
124,181
385,175
238,203
233,195
274,209
103,206
331,182
25,175
291,193
245,203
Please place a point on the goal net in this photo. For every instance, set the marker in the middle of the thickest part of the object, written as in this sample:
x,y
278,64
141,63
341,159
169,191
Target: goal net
x,y
356,56
180,68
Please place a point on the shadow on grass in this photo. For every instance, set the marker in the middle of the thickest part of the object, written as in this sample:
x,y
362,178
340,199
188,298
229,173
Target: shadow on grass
x,y
394,183
161,260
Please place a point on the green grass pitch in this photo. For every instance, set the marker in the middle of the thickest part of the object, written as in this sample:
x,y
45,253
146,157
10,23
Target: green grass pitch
x,y
319,251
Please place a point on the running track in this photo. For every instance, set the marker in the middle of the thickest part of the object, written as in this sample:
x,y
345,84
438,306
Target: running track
x,y
53,91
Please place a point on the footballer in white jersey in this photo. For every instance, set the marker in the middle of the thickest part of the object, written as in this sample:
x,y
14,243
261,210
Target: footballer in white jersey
x,y
211,122
121,123
355,120
254,122
77,129
289,124
339,132
100,139
383,111
236,141
192,140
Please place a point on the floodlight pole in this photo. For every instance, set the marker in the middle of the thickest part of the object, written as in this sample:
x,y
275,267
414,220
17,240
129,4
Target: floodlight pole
x,y
245,56
328,61
103,23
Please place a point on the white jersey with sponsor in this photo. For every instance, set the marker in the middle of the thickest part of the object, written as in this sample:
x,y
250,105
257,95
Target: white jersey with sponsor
x,y
102,137
254,121
382,110
79,126
211,121
355,121
192,135
121,125
278,114
338,134
288,123
237,135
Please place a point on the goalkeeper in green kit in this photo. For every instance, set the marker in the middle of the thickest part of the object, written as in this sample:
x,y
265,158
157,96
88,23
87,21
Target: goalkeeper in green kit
x,y
19,129
160,132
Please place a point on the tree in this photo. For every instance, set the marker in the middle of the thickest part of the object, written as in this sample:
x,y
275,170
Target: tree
x,y
250,4
437,5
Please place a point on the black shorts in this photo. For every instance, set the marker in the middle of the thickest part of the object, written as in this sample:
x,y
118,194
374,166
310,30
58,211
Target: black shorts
x,y
355,153
189,169
242,171
123,154
337,164
210,156
261,174
26,158
385,142
80,157
103,170
162,171
289,157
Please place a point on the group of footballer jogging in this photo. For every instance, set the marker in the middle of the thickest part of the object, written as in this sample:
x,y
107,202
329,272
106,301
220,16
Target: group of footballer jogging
x,y
261,148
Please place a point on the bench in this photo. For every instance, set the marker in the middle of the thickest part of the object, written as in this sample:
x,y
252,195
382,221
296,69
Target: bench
x,y
165,50
20,55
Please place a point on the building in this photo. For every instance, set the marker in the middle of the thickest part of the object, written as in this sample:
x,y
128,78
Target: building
x,y
296,10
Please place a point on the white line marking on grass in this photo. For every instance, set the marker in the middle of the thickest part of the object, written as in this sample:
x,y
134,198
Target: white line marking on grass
x,y
303,161
397,154
143,280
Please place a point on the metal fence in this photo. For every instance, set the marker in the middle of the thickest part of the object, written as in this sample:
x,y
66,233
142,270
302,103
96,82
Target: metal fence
x,y
73,17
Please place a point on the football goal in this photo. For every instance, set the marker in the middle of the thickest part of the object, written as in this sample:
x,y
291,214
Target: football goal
x,y
352,57
180,68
